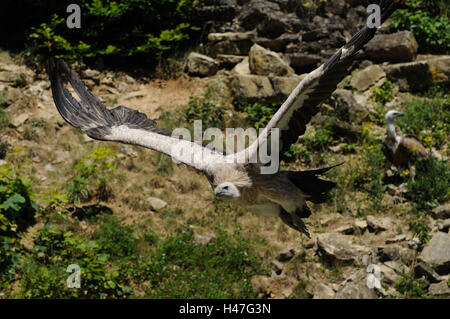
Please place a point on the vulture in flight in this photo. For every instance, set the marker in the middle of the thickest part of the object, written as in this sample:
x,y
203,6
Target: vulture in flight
x,y
402,150
234,176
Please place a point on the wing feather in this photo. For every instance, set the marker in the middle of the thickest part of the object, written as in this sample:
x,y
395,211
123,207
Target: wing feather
x,y
121,124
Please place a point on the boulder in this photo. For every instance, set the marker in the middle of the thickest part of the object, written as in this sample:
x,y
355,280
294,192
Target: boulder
x,y
256,12
348,109
355,287
361,225
242,67
396,47
19,120
424,269
396,239
440,68
226,61
286,255
156,204
336,247
444,226
91,75
200,65
224,10
274,25
437,253
303,63
378,224
10,95
230,43
278,44
388,273
441,212
364,79
322,291
339,8
283,85
251,87
15,75
345,229
266,62
204,239
440,290
277,267
389,253
420,75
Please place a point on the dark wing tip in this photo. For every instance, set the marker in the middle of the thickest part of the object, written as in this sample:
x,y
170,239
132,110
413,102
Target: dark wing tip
x,y
91,115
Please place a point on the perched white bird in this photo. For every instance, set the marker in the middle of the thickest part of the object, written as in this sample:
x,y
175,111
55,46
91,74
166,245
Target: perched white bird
x,y
402,150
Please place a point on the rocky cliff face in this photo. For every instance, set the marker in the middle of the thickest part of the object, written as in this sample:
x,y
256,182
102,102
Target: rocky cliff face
x,y
251,44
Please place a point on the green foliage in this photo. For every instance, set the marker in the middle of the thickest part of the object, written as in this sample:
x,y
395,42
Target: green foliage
x,y
429,22
374,172
182,268
17,209
92,171
431,185
158,27
419,227
44,274
410,287
164,164
258,115
116,240
312,147
4,117
2,100
384,93
428,117
202,108
17,212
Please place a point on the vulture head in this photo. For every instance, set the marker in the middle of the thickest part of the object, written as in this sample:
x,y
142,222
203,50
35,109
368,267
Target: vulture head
x,y
227,190
392,115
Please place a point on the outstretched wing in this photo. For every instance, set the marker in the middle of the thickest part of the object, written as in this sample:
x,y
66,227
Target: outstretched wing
x,y
298,109
120,124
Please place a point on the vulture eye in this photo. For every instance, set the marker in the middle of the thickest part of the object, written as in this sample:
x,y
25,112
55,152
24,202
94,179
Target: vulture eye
x,y
225,187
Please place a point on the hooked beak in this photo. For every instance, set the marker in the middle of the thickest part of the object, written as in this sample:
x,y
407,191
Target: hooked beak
x,y
399,114
219,194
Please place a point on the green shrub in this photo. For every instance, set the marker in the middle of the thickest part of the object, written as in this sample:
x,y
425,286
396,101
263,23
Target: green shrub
x,y
202,108
158,27
384,93
116,240
429,22
44,275
92,176
17,208
4,117
410,287
431,185
419,226
428,117
182,268
258,115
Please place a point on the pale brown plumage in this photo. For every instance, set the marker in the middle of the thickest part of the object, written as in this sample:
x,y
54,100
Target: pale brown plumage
x,y
402,150
234,176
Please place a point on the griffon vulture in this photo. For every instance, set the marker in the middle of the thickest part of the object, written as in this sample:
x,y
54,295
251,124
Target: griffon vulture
x,y
402,150
283,193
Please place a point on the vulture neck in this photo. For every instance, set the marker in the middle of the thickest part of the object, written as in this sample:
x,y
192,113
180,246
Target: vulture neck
x,y
393,140
391,132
